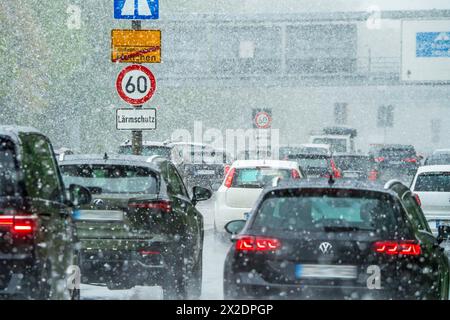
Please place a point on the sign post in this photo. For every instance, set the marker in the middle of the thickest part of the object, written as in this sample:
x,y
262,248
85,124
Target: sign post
x,y
136,84
136,136
262,120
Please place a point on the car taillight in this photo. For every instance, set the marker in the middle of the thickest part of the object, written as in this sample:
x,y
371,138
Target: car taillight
x,y
295,174
161,205
336,172
20,224
249,243
417,198
230,177
410,160
408,248
379,159
373,175
226,169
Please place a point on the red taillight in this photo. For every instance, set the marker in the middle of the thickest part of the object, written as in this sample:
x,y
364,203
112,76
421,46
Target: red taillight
x,y
230,177
148,252
410,160
249,243
226,169
164,206
295,174
408,248
379,159
336,172
418,201
19,224
373,175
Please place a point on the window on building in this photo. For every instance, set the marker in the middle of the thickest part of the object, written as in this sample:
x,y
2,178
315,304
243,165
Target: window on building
x,y
385,117
340,113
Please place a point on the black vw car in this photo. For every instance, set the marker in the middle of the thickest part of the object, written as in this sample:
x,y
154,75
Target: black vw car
x,y
342,240
141,228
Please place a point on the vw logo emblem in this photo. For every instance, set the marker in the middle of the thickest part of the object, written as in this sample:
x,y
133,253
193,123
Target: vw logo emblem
x,y
325,247
99,202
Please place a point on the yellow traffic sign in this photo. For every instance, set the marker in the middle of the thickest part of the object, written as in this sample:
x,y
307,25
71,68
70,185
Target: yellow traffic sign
x,y
136,46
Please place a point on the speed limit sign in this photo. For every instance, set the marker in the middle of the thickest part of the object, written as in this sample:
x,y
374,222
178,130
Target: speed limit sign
x,y
263,120
136,84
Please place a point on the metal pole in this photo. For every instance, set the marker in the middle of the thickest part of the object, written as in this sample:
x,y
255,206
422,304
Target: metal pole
x,y
136,136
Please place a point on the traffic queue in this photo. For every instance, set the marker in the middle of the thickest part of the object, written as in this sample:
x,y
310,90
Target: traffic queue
x,y
315,224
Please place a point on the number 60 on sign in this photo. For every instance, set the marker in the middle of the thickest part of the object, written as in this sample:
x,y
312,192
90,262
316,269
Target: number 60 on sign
x,y
136,84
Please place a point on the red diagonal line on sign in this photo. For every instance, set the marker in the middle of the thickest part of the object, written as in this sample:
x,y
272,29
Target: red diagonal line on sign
x,y
137,54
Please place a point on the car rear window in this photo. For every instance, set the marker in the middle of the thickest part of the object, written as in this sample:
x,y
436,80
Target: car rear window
x,y
111,178
8,168
148,151
438,160
433,182
398,153
353,163
330,211
258,177
306,163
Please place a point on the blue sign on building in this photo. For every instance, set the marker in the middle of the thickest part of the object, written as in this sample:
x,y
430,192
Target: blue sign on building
x,y
433,44
136,9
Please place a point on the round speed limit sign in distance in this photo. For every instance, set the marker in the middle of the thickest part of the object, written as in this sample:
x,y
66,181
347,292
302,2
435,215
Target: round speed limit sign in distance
x,y
263,120
136,84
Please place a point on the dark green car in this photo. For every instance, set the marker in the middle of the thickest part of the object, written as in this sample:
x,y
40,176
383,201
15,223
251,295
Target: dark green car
x,y
142,227
37,233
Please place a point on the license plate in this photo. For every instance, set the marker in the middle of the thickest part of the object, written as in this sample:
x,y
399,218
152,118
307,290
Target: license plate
x,y
98,215
321,271
205,172
395,162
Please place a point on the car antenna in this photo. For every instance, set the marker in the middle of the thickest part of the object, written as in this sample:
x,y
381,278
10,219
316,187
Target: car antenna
x,y
105,157
331,180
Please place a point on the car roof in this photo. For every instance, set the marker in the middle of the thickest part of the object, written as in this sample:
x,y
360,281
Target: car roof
x,y
351,155
315,145
342,184
14,131
113,159
311,155
147,144
259,163
433,168
441,151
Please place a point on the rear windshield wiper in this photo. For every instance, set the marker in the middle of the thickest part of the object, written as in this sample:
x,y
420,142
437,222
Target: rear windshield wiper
x,y
345,228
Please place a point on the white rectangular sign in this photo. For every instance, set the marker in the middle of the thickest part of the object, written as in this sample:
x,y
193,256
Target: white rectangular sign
x,y
426,50
136,119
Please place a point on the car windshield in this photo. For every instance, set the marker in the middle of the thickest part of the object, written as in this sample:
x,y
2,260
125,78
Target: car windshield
x,y
111,178
352,163
317,211
433,182
258,177
148,151
8,169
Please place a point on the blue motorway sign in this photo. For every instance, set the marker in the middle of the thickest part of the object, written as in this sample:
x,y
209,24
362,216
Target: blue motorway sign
x,y
433,44
136,9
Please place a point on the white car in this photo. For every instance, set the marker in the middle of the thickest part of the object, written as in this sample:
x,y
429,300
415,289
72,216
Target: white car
x,y
432,185
243,184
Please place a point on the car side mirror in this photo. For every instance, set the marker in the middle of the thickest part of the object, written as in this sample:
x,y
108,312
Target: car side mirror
x,y
200,194
79,195
443,233
235,226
